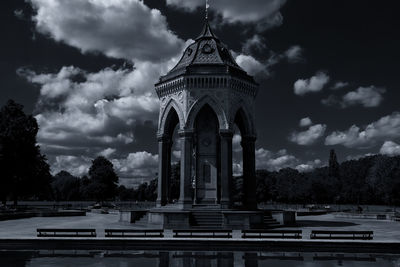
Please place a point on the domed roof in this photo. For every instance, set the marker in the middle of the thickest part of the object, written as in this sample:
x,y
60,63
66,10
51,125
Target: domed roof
x,y
207,55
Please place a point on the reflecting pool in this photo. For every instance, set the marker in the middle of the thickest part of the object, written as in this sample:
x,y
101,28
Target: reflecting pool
x,y
79,258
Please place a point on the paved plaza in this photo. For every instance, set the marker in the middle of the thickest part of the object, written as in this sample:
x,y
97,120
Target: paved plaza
x,y
384,230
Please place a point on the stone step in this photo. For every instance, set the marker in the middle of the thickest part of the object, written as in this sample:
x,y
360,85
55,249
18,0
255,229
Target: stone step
x,y
269,221
143,221
208,219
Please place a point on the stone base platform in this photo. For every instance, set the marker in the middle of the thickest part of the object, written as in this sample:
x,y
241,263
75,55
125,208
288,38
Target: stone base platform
x,y
205,218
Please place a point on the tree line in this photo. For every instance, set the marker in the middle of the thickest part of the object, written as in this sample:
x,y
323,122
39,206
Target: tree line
x,y
368,180
25,174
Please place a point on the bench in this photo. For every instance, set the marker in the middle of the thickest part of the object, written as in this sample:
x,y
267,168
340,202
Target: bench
x,y
66,232
203,233
264,233
134,232
319,234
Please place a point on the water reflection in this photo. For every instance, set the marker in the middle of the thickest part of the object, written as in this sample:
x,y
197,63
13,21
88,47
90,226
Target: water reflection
x,y
191,259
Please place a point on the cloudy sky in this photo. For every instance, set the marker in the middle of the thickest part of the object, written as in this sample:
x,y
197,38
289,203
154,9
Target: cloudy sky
x,y
329,75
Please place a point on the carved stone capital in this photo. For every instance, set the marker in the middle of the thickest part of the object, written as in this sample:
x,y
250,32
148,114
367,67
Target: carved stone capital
x,y
224,133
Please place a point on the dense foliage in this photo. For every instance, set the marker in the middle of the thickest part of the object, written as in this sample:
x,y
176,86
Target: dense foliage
x,y
145,192
148,192
103,179
24,170
369,180
101,184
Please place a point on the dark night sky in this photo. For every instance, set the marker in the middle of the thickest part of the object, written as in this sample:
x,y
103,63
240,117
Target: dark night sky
x,y
335,62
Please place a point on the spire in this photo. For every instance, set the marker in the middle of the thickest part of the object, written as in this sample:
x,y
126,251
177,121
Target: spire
x,y
207,7
206,32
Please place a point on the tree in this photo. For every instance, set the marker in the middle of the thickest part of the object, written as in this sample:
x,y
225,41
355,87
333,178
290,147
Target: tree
x,y
333,165
83,188
66,187
125,194
141,192
25,172
103,179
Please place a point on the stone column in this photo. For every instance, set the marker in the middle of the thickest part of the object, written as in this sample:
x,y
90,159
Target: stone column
x,y
169,168
185,197
249,172
163,171
226,168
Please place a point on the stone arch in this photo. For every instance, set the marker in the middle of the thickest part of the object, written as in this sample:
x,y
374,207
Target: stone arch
x,y
243,119
207,151
216,107
171,107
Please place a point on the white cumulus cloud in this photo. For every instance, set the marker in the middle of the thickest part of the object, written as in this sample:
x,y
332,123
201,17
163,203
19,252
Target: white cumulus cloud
x,y
309,136
107,152
366,96
314,84
339,85
93,115
385,128
117,28
266,159
309,166
304,122
76,165
252,65
139,165
390,148
294,54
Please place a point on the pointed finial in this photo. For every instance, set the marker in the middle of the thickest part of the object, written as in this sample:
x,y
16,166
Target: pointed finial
x,y
207,7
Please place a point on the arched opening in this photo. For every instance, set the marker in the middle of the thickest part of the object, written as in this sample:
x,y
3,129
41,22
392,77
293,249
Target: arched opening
x,y
207,157
239,157
237,166
169,157
175,170
171,122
